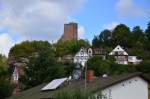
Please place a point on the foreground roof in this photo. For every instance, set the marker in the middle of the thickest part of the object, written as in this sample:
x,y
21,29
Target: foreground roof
x,y
92,87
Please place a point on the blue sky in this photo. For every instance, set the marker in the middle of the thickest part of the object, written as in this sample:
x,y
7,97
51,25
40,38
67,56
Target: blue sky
x,y
44,19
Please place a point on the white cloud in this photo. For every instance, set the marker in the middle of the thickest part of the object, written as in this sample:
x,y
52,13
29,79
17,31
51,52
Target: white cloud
x,y
37,19
81,32
6,43
129,8
111,26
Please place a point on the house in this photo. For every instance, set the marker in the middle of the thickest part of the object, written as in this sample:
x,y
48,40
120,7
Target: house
x,y
84,54
17,71
97,52
134,60
15,76
120,55
126,86
15,79
68,58
131,87
17,66
81,57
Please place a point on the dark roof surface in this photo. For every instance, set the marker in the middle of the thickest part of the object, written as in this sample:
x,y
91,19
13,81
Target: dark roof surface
x,y
93,87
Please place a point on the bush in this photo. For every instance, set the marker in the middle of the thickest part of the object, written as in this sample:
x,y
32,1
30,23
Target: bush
x,y
117,69
5,89
99,66
144,66
5,86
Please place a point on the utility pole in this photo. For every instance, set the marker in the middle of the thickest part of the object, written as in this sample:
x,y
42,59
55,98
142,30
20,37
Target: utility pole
x,y
85,81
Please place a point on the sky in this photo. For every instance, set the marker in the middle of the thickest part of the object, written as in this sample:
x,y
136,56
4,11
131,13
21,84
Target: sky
x,y
44,19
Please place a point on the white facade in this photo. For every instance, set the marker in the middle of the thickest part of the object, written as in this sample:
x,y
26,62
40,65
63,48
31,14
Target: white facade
x,y
90,52
97,52
81,57
134,88
120,55
118,49
134,59
15,76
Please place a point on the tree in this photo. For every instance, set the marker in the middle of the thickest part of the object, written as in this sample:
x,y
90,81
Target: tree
x,y
42,65
138,37
96,43
36,73
99,66
121,35
42,68
83,43
144,66
147,32
5,86
69,47
23,51
3,62
105,37
109,67
66,47
117,69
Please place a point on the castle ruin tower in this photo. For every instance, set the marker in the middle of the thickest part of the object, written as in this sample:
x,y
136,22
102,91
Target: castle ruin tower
x,y
70,32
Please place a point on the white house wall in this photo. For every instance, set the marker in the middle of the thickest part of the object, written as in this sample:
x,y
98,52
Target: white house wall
x,y
122,62
81,57
118,49
133,59
135,88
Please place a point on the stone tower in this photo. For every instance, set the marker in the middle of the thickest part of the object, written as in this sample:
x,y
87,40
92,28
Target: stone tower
x,y
70,32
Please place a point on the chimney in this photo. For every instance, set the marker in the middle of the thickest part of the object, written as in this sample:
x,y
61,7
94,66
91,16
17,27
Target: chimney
x,y
90,75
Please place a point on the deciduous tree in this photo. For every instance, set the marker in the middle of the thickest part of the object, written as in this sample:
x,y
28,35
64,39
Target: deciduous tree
x,y
122,36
